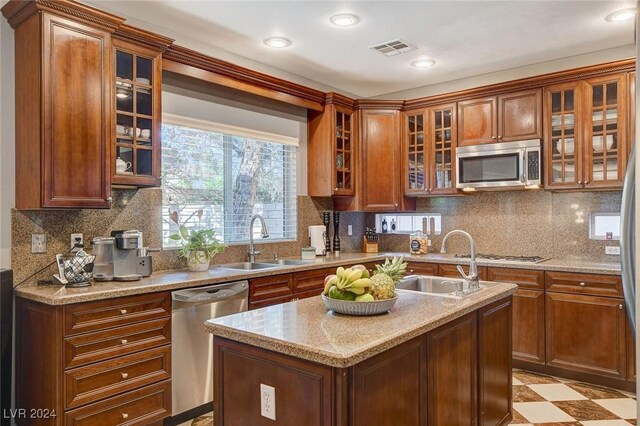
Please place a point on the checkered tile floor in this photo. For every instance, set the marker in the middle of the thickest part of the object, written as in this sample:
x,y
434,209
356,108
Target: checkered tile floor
x,y
551,401
545,400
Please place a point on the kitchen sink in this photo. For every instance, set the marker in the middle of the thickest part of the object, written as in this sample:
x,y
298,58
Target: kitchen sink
x,y
289,262
248,266
438,286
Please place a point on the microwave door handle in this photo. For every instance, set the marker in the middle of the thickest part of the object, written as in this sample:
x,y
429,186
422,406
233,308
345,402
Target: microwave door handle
x,y
522,165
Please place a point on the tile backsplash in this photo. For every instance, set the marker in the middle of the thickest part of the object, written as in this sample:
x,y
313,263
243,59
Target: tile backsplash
x,y
519,223
536,223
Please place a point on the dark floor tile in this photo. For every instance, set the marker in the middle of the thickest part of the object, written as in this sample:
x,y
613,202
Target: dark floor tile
x,y
585,410
203,421
558,424
632,421
518,418
595,392
529,378
523,393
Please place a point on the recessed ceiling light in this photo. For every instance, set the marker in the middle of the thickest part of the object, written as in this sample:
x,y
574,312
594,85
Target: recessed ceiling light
x,y
621,15
344,20
423,63
277,42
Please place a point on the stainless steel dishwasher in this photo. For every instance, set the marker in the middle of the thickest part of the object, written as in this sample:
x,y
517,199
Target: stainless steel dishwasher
x,y
192,346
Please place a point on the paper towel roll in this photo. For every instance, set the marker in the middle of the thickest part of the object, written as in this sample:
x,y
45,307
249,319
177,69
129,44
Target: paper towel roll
x,y
316,238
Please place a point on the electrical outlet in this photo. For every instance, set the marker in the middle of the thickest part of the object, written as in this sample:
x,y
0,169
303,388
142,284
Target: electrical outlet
x,y
267,401
76,239
38,243
612,250
350,230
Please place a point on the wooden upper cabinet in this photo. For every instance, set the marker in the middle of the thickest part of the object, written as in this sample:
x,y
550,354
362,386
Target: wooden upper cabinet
x,y
605,152
415,152
520,116
380,153
137,86
332,155
477,121
63,112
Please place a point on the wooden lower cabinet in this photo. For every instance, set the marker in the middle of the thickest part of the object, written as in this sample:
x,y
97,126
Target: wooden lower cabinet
x,y
587,334
447,270
528,326
457,374
422,268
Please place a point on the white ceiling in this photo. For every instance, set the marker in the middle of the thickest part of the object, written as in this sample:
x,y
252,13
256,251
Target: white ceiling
x,y
466,38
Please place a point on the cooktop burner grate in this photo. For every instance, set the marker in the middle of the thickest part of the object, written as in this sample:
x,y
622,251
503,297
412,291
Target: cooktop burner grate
x,y
497,257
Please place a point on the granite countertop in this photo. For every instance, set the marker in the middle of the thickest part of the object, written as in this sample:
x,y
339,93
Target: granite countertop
x,y
306,329
177,279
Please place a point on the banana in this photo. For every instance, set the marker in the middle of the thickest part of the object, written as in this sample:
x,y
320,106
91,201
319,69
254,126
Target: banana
x,y
355,275
333,281
357,291
340,271
361,283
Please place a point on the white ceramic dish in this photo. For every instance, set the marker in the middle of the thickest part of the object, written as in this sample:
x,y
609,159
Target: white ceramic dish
x,y
349,307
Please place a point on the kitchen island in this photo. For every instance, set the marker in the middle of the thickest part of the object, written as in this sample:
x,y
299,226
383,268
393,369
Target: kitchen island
x,y
430,360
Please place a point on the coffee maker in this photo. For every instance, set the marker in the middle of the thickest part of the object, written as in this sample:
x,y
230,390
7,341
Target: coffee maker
x,y
125,255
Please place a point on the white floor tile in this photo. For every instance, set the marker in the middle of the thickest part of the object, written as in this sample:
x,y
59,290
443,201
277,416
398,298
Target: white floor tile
x,y
542,412
605,423
557,392
621,407
517,382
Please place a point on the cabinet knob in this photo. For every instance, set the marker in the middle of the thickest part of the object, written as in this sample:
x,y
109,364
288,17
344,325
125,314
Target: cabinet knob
x,y
110,200
396,205
586,182
124,341
125,416
335,190
411,271
123,311
582,284
493,137
499,136
620,306
125,375
579,182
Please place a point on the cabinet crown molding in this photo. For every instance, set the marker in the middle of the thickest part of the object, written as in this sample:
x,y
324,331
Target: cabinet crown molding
x,y
379,104
338,99
140,36
16,11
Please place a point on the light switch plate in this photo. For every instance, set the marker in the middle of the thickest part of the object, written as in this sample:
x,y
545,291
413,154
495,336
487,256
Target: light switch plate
x,y
612,250
350,230
38,243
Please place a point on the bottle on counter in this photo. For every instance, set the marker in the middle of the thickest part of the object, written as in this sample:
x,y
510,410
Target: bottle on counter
x,y
384,226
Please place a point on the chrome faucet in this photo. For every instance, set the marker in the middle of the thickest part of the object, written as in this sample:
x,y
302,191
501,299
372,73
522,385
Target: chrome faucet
x,y
472,278
264,233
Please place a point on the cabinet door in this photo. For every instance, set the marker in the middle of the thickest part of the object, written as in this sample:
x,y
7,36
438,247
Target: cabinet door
x,y
631,127
563,139
494,363
416,170
520,116
76,114
441,144
452,399
344,160
528,326
586,333
421,268
380,160
631,354
605,118
477,121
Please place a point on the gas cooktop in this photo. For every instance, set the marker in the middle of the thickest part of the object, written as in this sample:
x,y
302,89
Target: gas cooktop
x,y
500,258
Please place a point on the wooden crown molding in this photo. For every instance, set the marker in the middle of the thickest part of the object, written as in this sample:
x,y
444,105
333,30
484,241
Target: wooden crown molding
x,y
379,104
16,11
140,36
333,98
538,81
190,57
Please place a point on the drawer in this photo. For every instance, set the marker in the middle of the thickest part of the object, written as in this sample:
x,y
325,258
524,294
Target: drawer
x,y
269,287
421,268
273,301
140,407
525,278
447,270
102,345
599,285
311,280
104,314
101,380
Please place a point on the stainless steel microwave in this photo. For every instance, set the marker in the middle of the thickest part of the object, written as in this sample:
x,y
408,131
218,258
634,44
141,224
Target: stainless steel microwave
x,y
499,165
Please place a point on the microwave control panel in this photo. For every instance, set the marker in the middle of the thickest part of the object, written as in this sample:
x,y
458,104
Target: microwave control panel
x,y
533,162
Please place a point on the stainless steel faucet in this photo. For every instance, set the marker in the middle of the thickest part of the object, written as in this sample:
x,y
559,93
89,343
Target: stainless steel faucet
x,y
264,233
472,278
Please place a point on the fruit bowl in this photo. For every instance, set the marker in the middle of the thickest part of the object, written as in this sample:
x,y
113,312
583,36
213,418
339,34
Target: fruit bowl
x,y
350,307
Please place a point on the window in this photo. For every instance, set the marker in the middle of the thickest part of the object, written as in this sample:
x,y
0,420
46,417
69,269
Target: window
x,y
408,222
604,226
217,177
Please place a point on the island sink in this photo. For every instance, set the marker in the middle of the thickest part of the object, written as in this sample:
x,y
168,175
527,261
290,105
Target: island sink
x,y
290,262
437,286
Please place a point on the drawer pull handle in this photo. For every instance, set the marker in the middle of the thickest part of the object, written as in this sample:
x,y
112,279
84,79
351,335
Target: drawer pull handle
x,y
125,375
123,311
124,341
582,284
620,306
125,416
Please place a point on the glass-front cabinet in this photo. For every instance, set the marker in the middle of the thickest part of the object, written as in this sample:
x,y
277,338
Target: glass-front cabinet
x,y
344,152
429,150
136,157
585,133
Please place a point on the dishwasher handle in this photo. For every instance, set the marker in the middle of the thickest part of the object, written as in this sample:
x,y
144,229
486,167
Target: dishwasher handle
x,y
210,294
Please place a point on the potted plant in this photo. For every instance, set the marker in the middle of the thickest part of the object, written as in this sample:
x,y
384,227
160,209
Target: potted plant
x,y
198,247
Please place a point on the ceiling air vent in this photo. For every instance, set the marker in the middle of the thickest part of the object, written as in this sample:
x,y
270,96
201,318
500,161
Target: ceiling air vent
x,y
393,47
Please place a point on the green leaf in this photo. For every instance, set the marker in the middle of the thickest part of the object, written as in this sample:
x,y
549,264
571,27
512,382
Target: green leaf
x,y
184,232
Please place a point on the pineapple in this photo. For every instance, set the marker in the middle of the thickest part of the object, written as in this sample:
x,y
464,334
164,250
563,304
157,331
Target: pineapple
x,y
382,286
395,268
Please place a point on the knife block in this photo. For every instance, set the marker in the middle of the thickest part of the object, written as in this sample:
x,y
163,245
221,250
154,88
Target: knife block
x,y
368,247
